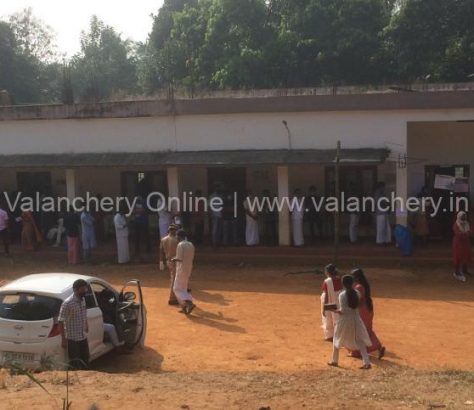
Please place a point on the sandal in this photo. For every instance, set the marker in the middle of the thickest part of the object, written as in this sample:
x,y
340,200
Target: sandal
x,y
365,367
333,364
189,308
381,352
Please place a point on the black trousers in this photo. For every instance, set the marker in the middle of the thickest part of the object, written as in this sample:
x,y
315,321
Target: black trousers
x,y
198,232
5,237
78,354
141,235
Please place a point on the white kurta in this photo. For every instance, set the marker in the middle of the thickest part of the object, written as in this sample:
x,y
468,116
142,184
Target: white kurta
x,y
384,232
184,267
329,321
353,227
297,225
251,227
350,331
121,234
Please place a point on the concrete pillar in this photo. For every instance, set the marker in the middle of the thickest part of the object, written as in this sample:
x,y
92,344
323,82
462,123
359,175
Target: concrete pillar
x,y
71,183
173,181
284,228
402,192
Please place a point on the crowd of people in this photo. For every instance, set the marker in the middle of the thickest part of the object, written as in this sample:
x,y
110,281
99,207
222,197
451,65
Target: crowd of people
x,y
310,220
347,308
236,223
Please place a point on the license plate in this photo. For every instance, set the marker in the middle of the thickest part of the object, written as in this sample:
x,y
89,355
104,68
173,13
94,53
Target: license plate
x,y
18,357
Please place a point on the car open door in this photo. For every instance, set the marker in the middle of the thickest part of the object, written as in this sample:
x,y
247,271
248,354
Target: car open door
x,y
131,315
95,321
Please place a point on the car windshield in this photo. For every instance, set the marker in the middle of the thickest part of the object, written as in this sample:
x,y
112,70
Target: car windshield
x,y
28,307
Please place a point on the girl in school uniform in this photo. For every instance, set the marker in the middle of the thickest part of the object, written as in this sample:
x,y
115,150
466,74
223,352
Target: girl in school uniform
x,y
350,331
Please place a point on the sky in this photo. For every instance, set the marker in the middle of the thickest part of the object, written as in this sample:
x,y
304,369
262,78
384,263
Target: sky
x,y
69,17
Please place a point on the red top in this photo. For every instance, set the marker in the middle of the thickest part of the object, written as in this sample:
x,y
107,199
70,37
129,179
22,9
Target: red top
x,y
336,282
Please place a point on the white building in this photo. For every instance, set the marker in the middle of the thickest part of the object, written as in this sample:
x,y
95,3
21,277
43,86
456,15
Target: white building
x,y
253,141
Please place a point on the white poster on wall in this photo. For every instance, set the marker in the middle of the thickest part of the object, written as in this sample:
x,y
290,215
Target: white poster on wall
x,y
461,185
446,182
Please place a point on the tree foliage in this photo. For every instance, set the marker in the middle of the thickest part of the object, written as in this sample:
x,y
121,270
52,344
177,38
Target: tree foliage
x,y
26,71
236,44
34,37
105,65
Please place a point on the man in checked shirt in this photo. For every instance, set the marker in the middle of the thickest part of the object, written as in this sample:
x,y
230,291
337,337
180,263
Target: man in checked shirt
x,y
73,325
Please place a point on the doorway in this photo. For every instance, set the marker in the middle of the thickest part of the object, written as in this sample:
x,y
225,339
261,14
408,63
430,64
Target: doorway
x,y
441,224
31,182
233,181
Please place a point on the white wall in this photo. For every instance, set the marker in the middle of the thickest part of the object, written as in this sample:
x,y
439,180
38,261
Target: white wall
x,y
218,132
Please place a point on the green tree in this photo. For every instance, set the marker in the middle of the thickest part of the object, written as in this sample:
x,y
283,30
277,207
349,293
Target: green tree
x,y
106,64
432,40
234,52
331,41
27,67
34,37
19,73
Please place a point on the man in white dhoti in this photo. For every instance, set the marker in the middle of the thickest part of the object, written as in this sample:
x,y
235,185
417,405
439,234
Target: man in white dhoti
x,y
331,288
384,231
251,222
297,214
121,235
184,266
354,214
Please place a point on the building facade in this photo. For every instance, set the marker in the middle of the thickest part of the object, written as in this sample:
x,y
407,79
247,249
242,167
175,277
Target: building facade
x,y
249,142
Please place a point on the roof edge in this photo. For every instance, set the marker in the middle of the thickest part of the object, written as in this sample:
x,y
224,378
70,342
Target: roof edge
x,y
421,100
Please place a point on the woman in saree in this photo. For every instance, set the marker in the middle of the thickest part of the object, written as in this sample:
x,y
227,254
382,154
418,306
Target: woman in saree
x,y
30,235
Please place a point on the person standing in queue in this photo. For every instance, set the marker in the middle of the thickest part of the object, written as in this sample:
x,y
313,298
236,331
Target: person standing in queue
x,y
4,225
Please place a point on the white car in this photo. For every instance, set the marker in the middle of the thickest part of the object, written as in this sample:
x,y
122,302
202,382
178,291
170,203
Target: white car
x,y
29,308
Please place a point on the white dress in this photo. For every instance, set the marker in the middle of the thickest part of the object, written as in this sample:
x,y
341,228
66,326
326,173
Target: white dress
x,y
297,225
384,231
350,331
121,234
251,227
329,321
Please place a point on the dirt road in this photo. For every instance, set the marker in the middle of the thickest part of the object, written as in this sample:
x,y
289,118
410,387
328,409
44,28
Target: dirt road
x,y
255,341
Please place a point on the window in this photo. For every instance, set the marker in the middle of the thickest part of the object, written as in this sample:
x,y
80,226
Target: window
x,y
90,299
459,172
107,300
28,307
103,294
143,183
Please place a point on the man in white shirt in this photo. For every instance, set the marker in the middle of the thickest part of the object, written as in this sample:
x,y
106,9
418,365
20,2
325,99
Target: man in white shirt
x,y
4,233
184,266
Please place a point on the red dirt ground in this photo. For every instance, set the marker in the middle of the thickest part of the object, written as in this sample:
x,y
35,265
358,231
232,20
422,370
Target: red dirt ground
x,y
255,341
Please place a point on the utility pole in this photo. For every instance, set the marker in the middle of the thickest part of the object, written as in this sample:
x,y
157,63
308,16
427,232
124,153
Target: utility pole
x,y
337,193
